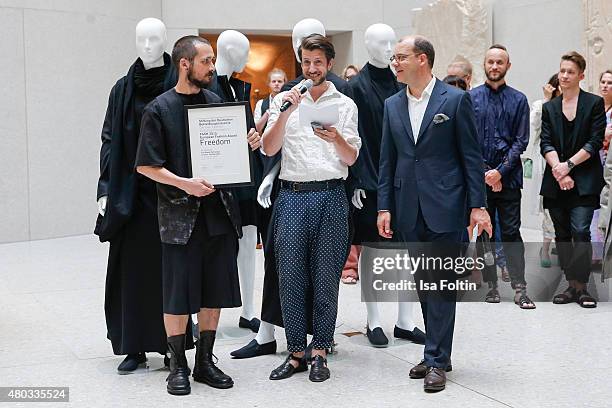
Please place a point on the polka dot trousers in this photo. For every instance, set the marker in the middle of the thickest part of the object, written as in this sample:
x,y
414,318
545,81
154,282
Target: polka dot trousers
x,y
311,242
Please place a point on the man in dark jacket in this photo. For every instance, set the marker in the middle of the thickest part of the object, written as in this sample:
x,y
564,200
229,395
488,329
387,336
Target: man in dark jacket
x,y
198,225
573,127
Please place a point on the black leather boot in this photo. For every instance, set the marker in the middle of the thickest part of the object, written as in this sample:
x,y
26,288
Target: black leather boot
x,y
205,371
178,379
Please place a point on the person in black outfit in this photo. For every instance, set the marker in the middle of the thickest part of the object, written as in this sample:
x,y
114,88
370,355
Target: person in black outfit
x,y
573,127
198,224
128,207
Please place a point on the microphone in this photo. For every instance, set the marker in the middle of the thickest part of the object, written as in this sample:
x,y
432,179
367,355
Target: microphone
x,y
306,85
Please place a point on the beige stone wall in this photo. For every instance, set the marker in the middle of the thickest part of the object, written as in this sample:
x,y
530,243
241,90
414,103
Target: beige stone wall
x,y
456,27
598,40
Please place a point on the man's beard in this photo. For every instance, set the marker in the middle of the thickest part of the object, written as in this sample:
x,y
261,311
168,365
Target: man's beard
x,y
198,82
501,75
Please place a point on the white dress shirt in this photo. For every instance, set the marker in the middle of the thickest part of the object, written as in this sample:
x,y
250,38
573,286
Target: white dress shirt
x,y
307,157
417,107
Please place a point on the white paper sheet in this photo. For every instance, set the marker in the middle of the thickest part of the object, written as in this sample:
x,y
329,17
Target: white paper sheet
x,y
326,115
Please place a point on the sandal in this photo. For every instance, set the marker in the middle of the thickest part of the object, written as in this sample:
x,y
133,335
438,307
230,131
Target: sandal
x,y
584,299
568,296
523,301
492,296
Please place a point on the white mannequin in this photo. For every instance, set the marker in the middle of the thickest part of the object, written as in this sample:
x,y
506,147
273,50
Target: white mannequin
x,y
302,29
150,45
379,41
232,55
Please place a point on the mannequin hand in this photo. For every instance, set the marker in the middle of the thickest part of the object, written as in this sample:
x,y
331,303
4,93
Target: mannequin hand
x,y
102,205
356,200
265,190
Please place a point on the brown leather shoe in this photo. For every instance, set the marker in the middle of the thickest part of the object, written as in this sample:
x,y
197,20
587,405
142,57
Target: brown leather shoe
x,y
435,380
420,370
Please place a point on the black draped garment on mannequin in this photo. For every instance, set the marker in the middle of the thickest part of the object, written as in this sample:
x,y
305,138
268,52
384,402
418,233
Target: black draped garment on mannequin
x,y
247,196
369,89
133,297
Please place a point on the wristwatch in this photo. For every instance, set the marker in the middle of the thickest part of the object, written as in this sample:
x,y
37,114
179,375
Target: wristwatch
x,y
570,164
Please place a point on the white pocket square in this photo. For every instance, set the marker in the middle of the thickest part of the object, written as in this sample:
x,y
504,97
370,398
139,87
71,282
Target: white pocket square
x,y
440,118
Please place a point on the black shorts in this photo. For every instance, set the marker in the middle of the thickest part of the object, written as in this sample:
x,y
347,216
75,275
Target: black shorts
x,y
201,274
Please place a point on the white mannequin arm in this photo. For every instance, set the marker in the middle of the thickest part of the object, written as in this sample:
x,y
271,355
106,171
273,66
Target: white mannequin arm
x,y
102,205
356,200
265,189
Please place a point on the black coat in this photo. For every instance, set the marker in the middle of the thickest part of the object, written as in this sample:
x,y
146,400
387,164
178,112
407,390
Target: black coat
x,y
588,134
369,89
118,180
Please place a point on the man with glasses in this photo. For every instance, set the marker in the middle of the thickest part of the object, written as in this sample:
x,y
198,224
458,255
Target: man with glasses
x,y
427,191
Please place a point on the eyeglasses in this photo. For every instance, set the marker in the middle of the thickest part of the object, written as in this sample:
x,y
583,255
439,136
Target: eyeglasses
x,y
401,57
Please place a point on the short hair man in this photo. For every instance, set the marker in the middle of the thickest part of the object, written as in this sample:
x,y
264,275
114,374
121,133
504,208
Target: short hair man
x,y
462,68
427,190
502,116
276,80
311,230
199,238
572,135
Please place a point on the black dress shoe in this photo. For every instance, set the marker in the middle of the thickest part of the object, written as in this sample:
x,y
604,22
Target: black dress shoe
x,y
287,369
377,337
415,336
254,349
318,369
420,370
435,380
205,371
252,324
131,363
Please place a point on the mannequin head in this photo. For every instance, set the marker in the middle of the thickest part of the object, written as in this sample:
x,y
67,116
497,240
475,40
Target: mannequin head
x,y
379,41
232,52
302,29
151,42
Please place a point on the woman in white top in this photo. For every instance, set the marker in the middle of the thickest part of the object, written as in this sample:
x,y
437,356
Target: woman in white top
x,y
551,90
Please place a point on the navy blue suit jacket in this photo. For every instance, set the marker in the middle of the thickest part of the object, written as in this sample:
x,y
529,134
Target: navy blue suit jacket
x,y
442,172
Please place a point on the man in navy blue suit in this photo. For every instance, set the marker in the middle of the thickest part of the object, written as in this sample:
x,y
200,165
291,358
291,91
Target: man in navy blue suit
x,y
430,180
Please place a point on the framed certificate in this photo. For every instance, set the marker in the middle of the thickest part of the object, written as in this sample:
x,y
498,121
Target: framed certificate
x,y
217,140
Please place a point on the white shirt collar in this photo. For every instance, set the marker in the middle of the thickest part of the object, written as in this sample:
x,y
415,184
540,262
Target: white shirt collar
x,y
426,92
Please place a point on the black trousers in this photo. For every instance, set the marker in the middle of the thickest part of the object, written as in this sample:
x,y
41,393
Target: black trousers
x,y
507,204
573,240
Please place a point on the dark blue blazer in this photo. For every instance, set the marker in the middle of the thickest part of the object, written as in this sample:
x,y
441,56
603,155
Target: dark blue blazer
x,y
442,172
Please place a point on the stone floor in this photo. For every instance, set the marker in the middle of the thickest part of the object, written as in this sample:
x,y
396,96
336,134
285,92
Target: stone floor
x,y
52,333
